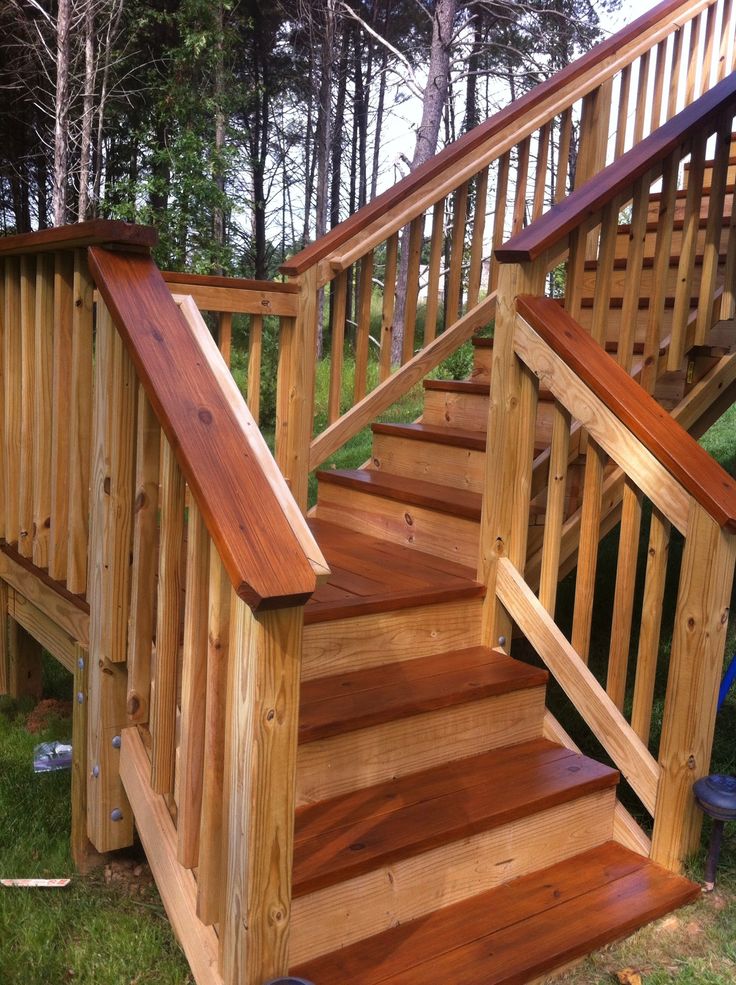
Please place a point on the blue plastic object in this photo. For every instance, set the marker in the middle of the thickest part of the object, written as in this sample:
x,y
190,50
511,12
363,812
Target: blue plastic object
x,y
727,682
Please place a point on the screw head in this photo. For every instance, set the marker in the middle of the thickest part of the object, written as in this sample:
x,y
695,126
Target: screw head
x,y
80,697
95,771
116,742
116,814
502,641
80,663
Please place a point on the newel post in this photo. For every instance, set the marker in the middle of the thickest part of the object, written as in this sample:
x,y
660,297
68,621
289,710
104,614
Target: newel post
x,y
295,388
509,448
260,791
696,662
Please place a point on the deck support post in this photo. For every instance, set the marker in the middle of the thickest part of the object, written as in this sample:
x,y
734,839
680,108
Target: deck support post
x,y
698,644
4,656
259,796
24,662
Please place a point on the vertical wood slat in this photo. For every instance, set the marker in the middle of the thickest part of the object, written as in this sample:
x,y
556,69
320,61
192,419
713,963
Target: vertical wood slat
x,y
80,424
499,216
60,418
28,362
164,698
43,351
540,177
623,602
675,72
433,275
602,297
416,238
726,29
454,300
193,690
634,265
691,87
476,245
107,680
522,176
728,299
660,53
642,102
555,511
590,522
595,115
255,355
211,872
622,118
80,762
340,286
363,331
4,655
575,272
225,335
389,302
259,791
712,245
145,560
686,266
709,61
563,156
651,621
658,297
12,397
696,662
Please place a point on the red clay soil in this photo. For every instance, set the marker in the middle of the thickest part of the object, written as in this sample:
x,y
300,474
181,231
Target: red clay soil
x,y
46,710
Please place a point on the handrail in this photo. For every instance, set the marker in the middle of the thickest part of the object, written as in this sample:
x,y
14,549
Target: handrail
x,y
582,205
699,474
215,442
236,283
236,295
605,55
80,235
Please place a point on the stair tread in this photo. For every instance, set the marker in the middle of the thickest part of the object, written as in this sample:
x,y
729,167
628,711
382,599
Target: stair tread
x,y
474,387
362,830
350,701
437,433
518,931
417,492
368,575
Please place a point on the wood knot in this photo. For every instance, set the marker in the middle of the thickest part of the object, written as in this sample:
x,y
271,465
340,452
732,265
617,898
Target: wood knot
x,y
205,416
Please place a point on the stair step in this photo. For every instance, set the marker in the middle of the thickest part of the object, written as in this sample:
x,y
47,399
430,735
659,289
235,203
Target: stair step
x,y
474,387
415,492
345,836
516,932
435,433
372,575
347,702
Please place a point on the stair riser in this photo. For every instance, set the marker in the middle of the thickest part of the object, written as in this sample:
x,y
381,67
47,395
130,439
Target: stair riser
x,y
451,537
650,243
620,285
613,323
482,362
343,645
334,917
708,174
330,767
456,410
446,465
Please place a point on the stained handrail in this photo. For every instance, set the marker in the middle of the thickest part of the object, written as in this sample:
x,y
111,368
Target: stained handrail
x,y
222,459
581,206
80,235
699,474
605,56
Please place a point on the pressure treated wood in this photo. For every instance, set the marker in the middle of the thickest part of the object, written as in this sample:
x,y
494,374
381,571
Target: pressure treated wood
x,y
238,503
515,932
60,418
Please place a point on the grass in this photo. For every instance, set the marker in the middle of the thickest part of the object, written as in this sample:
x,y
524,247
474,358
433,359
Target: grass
x,y
96,933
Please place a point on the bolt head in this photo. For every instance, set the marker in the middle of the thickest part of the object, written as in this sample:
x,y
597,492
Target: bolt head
x,y
95,771
116,742
502,641
80,697
116,814
80,663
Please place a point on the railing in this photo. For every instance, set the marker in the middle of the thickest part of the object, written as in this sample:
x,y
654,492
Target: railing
x,y
496,178
633,450
125,431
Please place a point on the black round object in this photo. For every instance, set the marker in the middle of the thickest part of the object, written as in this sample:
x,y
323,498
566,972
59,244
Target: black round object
x,y
716,794
289,981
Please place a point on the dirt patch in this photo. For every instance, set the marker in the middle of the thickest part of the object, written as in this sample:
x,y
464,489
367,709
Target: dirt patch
x,y
45,711
129,876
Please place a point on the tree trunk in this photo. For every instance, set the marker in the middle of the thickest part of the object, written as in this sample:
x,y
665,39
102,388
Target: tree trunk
x,y
323,141
218,215
85,142
61,115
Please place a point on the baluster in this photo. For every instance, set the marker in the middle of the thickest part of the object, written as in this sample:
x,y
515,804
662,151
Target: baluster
x,y
728,300
712,245
540,177
362,335
590,523
595,116
454,300
81,417
555,511
255,354
225,334
163,710
389,300
145,561
686,267
12,396
193,689
518,216
416,239
604,272
499,217
726,29
709,61
212,837
476,246
575,272
433,276
658,93
62,374
28,339
623,603
622,119
660,270
641,98
43,349
651,621
338,345
563,157
692,90
675,72
634,264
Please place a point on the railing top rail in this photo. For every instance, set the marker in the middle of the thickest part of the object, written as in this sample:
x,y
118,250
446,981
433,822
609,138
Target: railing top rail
x,y
233,283
82,234
552,229
699,474
664,13
221,460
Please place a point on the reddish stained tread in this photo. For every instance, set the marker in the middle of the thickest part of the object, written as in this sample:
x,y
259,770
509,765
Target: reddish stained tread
x,y
523,929
363,830
435,433
415,492
350,701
